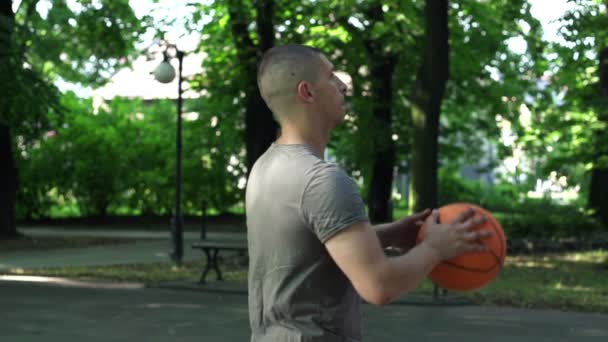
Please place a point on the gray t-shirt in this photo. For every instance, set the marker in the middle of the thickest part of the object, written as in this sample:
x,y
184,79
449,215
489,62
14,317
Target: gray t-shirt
x,y
295,202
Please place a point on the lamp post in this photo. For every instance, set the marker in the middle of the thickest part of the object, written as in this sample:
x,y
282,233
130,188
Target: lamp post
x,y
165,73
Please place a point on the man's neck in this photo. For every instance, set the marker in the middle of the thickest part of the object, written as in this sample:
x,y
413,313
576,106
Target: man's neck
x,y
317,141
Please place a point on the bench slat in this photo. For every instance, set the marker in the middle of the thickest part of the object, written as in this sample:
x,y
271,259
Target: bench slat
x,y
238,245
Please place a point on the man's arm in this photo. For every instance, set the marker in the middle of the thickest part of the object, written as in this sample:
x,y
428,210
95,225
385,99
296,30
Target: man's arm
x,y
379,279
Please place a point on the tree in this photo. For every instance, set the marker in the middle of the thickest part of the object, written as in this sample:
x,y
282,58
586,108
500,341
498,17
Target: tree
x,y
486,79
83,44
598,186
370,41
235,36
579,122
24,91
8,186
382,61
483,70
426,97
8,172
376,43
260,127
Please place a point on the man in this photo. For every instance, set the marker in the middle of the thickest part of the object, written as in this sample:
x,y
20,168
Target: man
x,y
313,252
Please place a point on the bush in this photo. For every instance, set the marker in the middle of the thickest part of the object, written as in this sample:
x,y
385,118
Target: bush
x,y
520,216
541,218
121,161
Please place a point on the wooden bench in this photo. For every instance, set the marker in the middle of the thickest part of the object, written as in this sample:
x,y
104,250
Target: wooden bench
x,y
212,250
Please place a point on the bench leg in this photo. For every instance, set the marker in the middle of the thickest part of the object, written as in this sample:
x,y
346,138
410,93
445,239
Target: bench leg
x,y
215,264
212,262
207,265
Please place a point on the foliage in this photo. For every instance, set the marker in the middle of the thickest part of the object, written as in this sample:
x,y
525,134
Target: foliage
x,y
228,81
23,88
85,42
486,78
124,156
566,132
483,71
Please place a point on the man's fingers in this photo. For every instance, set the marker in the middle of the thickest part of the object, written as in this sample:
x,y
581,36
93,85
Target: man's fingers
x,y
484,234
421,216
433,217
472,222
464,216
471,236
476,247
477,235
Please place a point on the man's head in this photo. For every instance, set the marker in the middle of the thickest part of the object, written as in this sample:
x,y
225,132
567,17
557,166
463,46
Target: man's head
x,y
296,78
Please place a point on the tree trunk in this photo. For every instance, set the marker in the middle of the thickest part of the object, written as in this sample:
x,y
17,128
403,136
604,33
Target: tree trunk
x,y
260,127
427,96
8,185
382,66
598,187
8,169
598,194
379,195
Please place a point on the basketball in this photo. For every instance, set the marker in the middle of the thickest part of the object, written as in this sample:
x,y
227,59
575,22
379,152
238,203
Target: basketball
x,y
473,270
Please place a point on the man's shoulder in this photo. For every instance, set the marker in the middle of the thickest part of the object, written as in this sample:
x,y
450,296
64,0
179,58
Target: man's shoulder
x,y
328,174
292,160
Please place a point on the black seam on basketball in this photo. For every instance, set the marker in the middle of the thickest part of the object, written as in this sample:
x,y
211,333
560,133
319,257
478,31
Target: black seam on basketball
x,y
474,270
499,259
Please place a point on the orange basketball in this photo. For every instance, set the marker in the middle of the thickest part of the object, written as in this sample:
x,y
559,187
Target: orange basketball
x,y
471,270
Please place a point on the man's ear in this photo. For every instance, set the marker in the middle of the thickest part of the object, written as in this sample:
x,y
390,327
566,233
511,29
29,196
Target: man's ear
x,y
305,92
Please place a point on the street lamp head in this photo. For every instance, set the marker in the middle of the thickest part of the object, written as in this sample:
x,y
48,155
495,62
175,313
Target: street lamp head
x,y
164,72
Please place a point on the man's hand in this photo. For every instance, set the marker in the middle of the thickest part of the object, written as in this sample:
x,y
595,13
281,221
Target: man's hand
x,y
409,228
456,237
402,234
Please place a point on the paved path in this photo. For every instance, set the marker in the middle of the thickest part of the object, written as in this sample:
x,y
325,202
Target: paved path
x,y
36,312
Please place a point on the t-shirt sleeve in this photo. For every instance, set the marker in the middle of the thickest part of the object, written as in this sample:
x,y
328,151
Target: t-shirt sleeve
x,y
331,202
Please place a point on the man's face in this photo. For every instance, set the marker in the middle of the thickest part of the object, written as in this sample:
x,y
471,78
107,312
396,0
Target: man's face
x,y
330,94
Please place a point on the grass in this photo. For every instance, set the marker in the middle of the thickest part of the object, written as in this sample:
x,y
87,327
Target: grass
x,y
567,281
564,281
50,242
